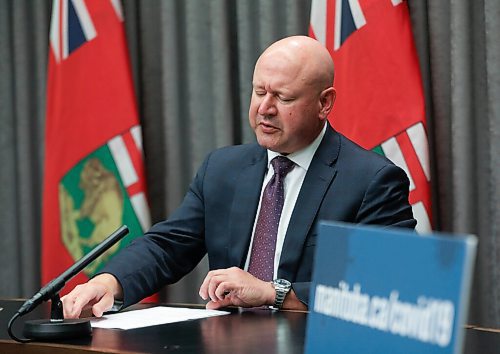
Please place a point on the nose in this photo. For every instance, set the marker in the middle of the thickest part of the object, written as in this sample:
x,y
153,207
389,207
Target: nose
x,y
267,106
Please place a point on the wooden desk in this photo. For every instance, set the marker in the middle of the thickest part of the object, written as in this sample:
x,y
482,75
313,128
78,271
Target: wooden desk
x,y
244,331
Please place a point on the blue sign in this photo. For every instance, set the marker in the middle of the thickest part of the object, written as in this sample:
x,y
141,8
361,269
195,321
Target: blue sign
x,y
388,290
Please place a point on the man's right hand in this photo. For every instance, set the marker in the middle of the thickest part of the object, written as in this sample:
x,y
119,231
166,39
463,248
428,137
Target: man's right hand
x,y
99,293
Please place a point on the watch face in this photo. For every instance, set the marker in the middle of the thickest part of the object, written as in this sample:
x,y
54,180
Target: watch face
x,y
282,282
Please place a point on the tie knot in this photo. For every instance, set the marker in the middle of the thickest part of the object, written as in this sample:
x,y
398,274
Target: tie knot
x,y
282,165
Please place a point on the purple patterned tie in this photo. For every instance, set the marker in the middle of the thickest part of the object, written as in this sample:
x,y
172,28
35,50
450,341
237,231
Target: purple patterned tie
x,y
264,241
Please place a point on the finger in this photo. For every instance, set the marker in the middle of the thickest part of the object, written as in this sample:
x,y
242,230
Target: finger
x,y
203,292
223,290
213,285
70,310
79,304
90,294
67,302
211,305
83,296
103,305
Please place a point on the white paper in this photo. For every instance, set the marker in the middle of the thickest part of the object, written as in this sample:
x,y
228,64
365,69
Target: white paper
x,y
151,317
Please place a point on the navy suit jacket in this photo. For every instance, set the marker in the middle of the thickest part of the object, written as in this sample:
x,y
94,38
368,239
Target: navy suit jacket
x,y
344,183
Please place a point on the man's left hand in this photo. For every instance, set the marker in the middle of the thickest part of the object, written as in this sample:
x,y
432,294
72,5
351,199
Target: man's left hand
x,y
235,287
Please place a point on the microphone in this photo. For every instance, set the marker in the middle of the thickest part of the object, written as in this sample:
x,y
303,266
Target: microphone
x,y
57,327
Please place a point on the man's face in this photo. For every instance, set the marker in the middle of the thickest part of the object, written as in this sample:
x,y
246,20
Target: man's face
x,y
284,109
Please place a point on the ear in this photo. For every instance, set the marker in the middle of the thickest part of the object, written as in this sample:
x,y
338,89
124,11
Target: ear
x,y
326,100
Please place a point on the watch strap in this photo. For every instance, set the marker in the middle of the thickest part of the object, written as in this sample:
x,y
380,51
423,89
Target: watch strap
x,y
282,288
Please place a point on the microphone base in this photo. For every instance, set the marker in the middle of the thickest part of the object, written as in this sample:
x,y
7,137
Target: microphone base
x,y
46,330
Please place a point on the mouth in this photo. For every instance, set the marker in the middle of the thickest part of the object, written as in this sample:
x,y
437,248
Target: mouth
x,y
268,128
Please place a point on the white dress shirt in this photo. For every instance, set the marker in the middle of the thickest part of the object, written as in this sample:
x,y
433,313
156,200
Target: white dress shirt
x,y
293,183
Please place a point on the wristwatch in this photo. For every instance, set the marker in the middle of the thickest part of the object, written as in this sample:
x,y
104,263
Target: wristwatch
x,y
282,287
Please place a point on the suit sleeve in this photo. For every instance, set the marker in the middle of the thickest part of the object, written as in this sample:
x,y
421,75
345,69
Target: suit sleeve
x,y
386,200
167,252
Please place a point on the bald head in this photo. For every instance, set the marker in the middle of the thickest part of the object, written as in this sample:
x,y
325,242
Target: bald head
x,y
292,94
306,57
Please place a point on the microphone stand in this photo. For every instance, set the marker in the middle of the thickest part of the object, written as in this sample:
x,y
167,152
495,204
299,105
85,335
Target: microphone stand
x,y
58,327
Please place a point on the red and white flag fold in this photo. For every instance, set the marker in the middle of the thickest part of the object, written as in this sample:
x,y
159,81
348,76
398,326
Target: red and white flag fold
x,y
380,100
94,178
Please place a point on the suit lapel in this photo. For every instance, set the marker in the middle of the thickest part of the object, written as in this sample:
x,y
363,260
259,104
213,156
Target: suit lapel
x,y
319,177
244,207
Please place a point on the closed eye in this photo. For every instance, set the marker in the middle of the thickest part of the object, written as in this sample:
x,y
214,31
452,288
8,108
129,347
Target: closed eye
x,y
285,99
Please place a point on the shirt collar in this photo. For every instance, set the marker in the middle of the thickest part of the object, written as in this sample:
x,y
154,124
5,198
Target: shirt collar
x,y
302,157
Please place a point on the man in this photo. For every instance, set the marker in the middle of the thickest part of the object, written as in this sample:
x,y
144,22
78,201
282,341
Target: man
x,y
251,241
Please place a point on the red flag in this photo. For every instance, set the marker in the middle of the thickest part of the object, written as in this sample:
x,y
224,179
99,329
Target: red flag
x,y
94,175
380,100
